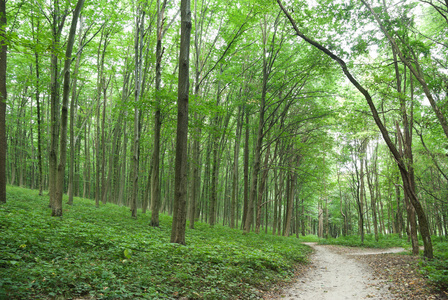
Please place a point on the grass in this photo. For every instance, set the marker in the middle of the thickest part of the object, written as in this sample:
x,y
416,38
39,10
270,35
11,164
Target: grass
x,y
102,253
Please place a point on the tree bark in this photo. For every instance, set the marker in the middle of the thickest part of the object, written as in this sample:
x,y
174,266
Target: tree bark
x,y
57,206
72,121
180,184
236,153
155,180
3,97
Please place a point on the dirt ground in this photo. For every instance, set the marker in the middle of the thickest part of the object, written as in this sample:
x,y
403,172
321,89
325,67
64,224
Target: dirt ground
x,y
338,273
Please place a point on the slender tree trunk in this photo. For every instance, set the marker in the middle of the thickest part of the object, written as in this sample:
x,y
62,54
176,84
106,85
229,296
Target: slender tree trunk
x,y
236,153
292,178
155,180
259,141
138,48
180,184
3,97
57,207
246,168
38,108
72,121
262,189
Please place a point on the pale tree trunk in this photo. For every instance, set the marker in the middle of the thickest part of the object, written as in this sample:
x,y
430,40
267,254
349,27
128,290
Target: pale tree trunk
x,y
292,179
246,167
99,143
72,119
38,108
423,221
180,184
262,189
259,141
236,153
3,97
104,181
155,180
361,188
138,47
57,207
371,179
275,213
215,168
320,231
344,216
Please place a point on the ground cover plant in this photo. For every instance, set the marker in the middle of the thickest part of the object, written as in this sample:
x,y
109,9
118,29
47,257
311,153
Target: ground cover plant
x,y
384,241
105,254
437,269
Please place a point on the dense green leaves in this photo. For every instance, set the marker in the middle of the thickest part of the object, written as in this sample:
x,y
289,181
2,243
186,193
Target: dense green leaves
x,y
105,254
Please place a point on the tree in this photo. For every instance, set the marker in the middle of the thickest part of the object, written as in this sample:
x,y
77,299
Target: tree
x,y
424,226
3,97
180,183
57,205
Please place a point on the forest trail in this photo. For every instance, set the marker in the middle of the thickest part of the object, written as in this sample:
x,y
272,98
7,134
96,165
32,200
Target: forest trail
x,y
337,275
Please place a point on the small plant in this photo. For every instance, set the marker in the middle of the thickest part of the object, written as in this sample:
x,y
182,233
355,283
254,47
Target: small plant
x,y
105,254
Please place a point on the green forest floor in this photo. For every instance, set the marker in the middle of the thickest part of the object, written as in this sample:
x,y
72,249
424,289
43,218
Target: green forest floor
x,y
105,254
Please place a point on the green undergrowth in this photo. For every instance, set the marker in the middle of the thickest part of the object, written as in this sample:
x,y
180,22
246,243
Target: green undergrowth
x,y
102,253
437,269
384,241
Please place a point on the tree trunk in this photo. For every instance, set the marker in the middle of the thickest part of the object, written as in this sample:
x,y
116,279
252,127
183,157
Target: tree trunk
x,y
246,168
155,180
72,121
259,140
3,97
57,205
180,184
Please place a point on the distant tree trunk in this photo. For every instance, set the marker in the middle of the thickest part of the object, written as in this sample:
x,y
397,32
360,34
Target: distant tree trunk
x,y
138,47
292,178
236,153
261,189
38,107
57,206
361,191
3,97
371,184
180,184
276,200
155,180
72,120
259,139
246,167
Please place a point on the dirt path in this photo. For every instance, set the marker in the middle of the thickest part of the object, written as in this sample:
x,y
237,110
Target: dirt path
x,y
335,275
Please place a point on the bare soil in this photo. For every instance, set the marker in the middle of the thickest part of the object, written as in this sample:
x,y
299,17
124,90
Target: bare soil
x,y
338,273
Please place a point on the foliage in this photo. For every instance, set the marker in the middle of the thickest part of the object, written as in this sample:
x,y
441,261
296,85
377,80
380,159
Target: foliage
x,y
103,253
384,241
437,269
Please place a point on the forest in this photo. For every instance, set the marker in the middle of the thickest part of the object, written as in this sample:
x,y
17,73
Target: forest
x,y
287,118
